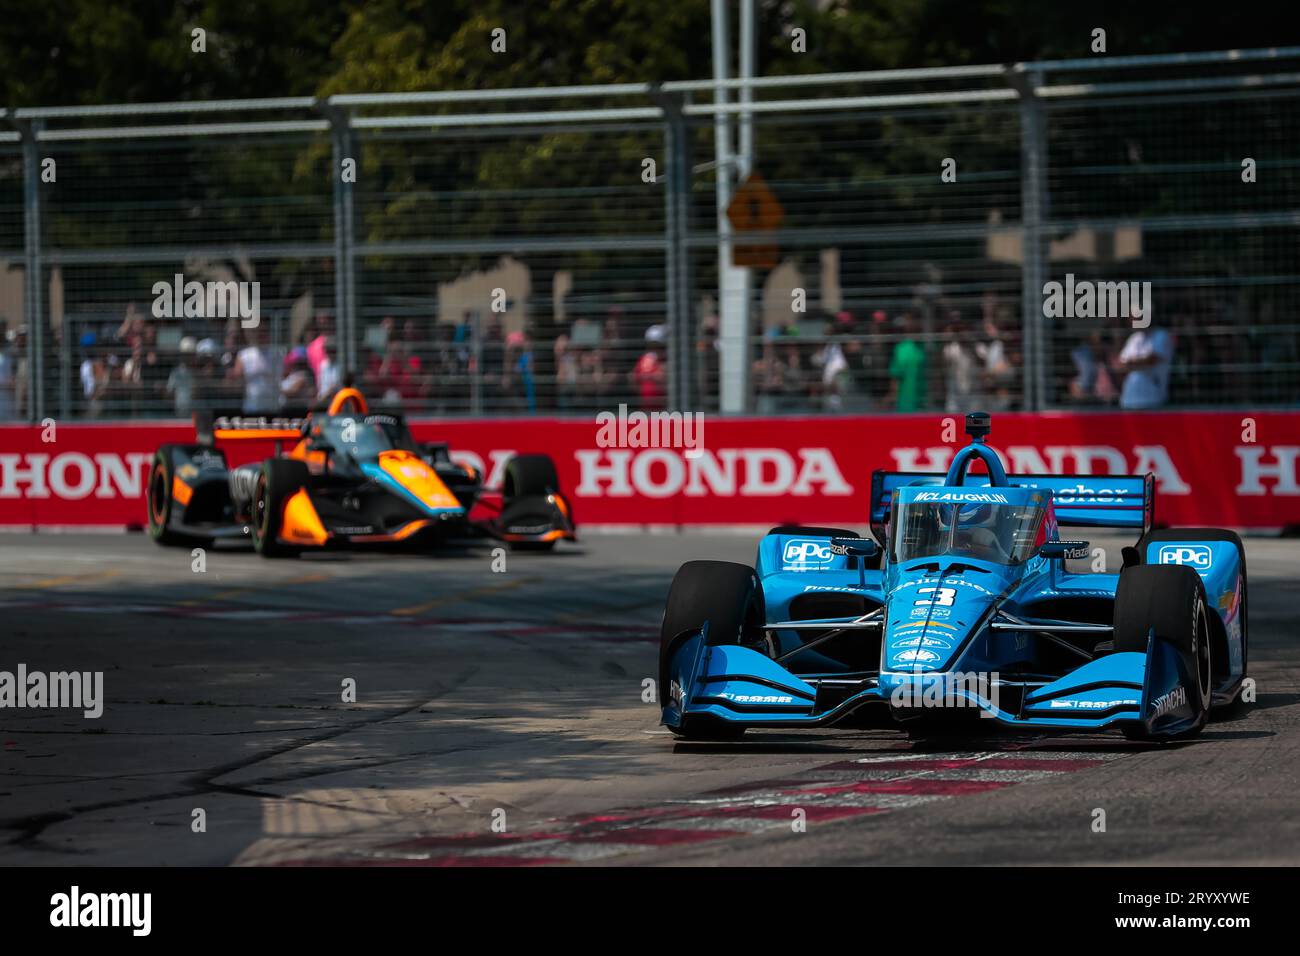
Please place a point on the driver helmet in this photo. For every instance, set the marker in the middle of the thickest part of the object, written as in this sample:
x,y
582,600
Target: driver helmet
x,y
973,514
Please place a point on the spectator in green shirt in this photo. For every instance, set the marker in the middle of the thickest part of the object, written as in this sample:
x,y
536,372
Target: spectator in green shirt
x,y
907,368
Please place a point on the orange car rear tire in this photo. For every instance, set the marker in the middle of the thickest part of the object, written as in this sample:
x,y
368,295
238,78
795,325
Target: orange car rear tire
x,y
158,499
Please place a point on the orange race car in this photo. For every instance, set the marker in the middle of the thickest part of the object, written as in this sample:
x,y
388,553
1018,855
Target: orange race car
x,y
349,477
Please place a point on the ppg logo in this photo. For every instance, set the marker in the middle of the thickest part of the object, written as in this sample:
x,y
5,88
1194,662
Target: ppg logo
x,y
803,552
1198,556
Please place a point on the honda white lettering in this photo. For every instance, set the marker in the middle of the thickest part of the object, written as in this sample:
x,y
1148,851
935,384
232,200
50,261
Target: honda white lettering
x,y
747,472
1281,471
73,475
1062,460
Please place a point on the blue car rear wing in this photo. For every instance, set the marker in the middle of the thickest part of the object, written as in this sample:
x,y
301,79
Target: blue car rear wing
x,y
1089,501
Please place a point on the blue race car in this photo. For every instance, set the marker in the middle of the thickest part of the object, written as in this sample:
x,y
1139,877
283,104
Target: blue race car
x,y
963,607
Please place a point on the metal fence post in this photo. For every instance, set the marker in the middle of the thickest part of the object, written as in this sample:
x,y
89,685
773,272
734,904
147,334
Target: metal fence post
x,y
677,260
67,363
33,300
344,240
476,375
1033,213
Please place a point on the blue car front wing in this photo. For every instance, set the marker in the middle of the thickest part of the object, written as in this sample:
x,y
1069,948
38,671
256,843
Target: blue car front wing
x,y
1147,693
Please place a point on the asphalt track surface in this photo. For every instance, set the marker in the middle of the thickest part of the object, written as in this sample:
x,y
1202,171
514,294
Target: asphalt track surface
x,y
513,701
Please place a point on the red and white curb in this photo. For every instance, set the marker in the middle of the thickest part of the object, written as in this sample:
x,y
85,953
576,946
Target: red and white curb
x,y
836,791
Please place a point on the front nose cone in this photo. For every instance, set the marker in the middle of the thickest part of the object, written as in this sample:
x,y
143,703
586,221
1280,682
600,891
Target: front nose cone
x,y
918,645
926,630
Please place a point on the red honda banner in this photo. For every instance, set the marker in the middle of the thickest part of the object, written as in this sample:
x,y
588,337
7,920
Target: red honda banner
x,y
1228,469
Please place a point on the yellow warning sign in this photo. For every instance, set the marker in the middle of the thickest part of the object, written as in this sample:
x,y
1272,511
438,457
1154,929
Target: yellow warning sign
x,y
755,214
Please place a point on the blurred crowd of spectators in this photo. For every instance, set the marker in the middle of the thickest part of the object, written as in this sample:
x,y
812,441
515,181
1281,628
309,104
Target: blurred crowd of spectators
x,y
1193,352
943,358
440,367
861,362
141,367
948,358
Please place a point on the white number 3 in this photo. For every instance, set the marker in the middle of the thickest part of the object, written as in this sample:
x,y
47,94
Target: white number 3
x,y
943,597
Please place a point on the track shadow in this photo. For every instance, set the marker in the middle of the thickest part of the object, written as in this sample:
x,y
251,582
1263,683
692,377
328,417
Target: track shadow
x,y
1240,710
1270,701
1209,736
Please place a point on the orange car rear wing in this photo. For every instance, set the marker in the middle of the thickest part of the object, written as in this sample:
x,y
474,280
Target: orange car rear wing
x,y
283,425
212,427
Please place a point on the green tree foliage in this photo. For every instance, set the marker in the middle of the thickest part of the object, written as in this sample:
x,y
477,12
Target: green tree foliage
x,y
58,52
67,52
83,52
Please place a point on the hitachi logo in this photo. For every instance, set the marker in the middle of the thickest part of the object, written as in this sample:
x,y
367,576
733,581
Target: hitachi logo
x,y
1175,698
